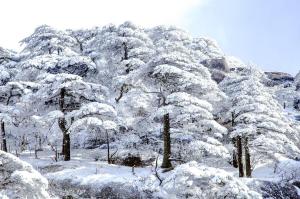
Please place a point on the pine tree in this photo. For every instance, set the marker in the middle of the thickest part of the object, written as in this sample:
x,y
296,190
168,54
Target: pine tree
x,y
67,93
183,88
258,120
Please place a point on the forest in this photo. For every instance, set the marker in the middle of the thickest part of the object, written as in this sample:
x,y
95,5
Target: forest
x,y
122,111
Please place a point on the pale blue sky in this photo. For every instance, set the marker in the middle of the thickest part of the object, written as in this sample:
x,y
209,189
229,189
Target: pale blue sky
x,y
264,32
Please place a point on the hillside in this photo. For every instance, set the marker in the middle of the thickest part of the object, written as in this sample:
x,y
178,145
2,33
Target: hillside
x,y
122,111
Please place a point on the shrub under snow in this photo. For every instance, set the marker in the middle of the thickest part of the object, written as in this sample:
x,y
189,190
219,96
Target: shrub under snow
x,y
19,180
192,180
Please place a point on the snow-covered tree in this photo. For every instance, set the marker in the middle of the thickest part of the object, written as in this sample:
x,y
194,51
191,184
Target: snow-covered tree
x,y
7,56
118,51
74,64
206,48
127,46
94,118
141,93
66,93
8,60
47,40
182,88
82,37
257,121
12,105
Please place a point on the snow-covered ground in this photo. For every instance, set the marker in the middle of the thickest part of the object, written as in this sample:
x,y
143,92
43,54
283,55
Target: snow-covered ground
x,y
83,176
83,168
84,171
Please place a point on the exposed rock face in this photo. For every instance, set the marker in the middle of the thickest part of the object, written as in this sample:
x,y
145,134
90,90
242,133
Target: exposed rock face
x,y
297,106
218,68
279,78
217,75
217,63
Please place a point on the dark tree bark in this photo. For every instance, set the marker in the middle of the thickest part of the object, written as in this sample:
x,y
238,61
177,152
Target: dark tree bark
x,y
4,145
63,145
108,153
62,125
122,91
61,122
67,147
66,139
232,119
240,156
167,143
234,159
247,158
234,154
80,46
125,47
125,51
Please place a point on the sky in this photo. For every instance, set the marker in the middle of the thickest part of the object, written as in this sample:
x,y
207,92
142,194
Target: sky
x,y
261,32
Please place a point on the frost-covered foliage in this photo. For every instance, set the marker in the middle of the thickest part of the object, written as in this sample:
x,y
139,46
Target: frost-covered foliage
x,y
141,74
126,45
8,59
54,64
255,114
19,180
47,40
181,88
92,122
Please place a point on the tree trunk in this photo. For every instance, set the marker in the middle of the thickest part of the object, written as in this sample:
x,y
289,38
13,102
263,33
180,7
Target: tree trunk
x,y
66,139
4,145
81,46
67,147
36,147
232,119
108,153
40,143
126,57
122,91
240,156
234,154
234,159
63,151
247,158
167,143
62,125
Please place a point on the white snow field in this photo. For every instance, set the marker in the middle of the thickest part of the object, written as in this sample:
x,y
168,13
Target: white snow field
x,y
83,177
